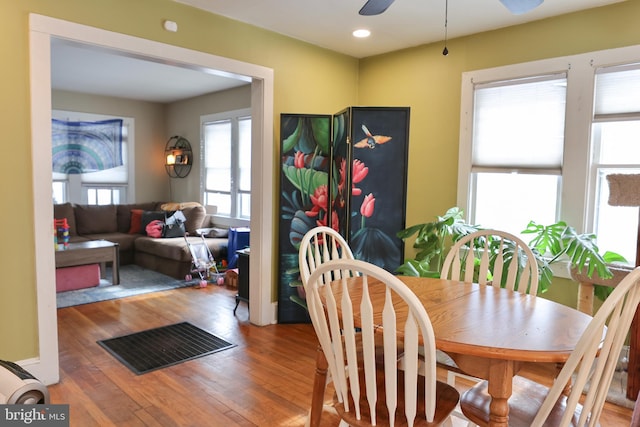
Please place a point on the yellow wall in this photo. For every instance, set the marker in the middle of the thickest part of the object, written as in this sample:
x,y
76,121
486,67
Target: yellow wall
x,y
430,83
307,80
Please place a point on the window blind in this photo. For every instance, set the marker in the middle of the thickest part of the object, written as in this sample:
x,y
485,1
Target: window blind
x,y
617,90
520,124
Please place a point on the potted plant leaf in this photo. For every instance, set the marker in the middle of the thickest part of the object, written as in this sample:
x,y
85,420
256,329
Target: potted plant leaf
x,y
550,244
432,240
560,241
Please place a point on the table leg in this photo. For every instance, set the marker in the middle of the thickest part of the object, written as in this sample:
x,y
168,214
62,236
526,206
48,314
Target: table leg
x,y
115,269
319,384
501,374
585,297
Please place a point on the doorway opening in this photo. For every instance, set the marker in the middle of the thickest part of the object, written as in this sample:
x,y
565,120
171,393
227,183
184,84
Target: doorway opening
x,y
42,29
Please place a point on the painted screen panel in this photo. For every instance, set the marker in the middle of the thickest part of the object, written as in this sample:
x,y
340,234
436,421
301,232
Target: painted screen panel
x,y
304,177
369,198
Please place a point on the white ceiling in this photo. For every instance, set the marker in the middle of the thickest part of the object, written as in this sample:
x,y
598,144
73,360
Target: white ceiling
x,y
326,23
406,23
84,68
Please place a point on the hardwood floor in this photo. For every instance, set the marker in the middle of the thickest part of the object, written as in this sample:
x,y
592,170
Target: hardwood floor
x,y
266,380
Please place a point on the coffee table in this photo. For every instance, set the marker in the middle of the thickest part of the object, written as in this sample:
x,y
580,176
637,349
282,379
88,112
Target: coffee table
x,y
91,252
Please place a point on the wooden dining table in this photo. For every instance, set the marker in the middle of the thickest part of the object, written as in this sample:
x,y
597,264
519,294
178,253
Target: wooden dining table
x,y
489,332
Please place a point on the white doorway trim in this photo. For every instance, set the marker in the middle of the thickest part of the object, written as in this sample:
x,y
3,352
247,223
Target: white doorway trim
x,y
41,30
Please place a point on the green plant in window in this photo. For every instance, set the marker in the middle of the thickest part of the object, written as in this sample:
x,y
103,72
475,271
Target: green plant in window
x,y
560,241
550,244
432,240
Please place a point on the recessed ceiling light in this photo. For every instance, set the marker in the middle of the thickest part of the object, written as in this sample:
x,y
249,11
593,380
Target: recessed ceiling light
x,y
361,33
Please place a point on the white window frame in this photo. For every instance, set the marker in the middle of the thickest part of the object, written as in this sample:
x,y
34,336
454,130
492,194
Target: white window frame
x,y
234,116
577,198
119,190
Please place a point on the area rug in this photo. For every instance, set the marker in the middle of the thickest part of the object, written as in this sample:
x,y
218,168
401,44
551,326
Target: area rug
x,y
158,348
134,280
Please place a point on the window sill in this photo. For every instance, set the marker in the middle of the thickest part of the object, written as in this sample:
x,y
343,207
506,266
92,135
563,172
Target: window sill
x,y
562,269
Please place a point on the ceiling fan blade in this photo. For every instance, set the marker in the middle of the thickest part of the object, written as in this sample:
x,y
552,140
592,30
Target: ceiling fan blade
x,y
518,7
375,7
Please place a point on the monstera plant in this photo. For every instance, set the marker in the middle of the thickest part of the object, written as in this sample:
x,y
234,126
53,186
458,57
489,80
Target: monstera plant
x,y
550,244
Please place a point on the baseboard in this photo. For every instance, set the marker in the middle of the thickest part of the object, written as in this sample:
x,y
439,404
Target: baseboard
x,y
47,375
274,313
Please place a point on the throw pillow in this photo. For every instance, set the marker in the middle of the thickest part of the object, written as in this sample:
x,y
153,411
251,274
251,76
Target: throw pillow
x,y
124,213
176,206
217,232
136,221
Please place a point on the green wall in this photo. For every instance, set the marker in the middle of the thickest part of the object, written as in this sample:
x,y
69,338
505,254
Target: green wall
x,y
307,80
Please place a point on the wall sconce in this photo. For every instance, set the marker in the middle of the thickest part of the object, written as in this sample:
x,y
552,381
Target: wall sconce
x,y
178,157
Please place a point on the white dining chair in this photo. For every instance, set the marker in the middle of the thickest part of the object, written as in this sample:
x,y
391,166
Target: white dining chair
x,y
590,368
370,388
496,252
319,245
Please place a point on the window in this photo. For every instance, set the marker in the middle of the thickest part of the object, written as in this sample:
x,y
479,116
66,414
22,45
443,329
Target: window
x,y
518,138
108,186
226,171
60,192
107,195
616,149
538,139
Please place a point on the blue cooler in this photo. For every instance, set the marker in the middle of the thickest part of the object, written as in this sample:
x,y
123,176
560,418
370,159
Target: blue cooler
x,y
238,239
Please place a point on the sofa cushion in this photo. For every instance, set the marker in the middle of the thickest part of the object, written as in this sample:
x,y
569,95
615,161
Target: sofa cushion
x,y
193,211
176,248
65,210
195,217
92,219
124,240
171,248
124,214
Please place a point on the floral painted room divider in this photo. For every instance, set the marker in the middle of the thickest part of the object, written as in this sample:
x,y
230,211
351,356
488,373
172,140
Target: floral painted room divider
x,y
366,202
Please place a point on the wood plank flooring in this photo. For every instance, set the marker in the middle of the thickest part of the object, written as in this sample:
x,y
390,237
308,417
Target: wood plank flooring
x,y
266,380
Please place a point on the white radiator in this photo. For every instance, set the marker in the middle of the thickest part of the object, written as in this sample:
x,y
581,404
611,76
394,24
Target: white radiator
x,y
17,386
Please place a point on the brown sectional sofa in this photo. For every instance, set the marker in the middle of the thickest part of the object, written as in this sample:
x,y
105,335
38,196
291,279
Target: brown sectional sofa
x,y
169,256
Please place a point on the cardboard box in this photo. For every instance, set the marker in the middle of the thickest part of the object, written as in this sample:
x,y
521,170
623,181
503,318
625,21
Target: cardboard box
x,y
231,278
